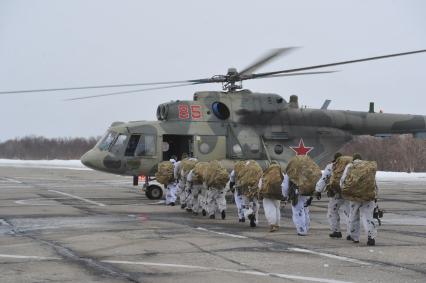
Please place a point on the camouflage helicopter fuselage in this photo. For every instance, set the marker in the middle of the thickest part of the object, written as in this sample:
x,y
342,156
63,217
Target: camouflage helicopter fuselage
x,y
238,125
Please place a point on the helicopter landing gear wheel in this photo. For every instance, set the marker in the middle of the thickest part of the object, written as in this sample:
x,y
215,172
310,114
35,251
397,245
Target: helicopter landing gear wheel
x,y
154,192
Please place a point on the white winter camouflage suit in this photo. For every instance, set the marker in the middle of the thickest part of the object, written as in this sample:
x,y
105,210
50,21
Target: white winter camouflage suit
x,y
360,210
216,200
196,196
272,208
335,202
300,212
238,197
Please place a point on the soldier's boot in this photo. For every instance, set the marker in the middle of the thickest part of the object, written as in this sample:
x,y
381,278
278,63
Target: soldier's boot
x,y
212,216
183,205
223,214
349,238
252,220
188,209
371,242
204,212
337,235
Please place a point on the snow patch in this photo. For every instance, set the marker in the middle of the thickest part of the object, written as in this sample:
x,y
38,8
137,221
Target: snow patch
x,y
49,164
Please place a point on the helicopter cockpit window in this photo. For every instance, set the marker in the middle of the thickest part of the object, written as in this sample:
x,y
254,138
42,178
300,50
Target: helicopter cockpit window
x,y
107,140
220,110
118,143
146,146
131,146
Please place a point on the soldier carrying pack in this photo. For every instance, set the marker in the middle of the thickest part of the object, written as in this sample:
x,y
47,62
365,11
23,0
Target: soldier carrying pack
x,y
360,181
339,166
164,173
215,175
304,173
198,172
271,182
248,176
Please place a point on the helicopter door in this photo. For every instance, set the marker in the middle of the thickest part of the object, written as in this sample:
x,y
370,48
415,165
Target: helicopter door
x,y
177,145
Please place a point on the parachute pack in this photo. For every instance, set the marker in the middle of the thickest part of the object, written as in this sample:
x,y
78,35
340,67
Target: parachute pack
x,y
304,173
248,174
271,182
164,173
198,172
360,181
215,175
187,165
338,167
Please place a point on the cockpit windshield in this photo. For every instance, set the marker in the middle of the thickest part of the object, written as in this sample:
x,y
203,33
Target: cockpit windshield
x,y
107,140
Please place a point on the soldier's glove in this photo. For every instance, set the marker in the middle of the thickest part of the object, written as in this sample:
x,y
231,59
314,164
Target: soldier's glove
x,y
308,202
317,195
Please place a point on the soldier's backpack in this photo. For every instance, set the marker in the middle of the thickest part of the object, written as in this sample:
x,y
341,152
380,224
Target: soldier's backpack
x,y
360,181
187,165
339,166
271,182
304,173
248,177
198,172
215,175
164,173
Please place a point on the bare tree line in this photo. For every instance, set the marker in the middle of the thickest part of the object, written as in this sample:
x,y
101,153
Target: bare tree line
x,y
35,147
396,153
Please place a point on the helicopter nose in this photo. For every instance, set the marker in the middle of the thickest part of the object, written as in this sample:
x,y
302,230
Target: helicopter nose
x,y
88,159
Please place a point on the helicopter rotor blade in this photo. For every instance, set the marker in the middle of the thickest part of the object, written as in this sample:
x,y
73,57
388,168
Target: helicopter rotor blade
x,y
130,91
259,75
296,74
271,55
104,86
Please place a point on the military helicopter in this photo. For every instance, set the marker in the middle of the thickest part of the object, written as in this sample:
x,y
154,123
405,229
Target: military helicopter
x,y
235,124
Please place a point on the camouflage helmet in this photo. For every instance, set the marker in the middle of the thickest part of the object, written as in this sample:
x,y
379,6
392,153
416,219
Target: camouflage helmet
x,y
336,155
356,156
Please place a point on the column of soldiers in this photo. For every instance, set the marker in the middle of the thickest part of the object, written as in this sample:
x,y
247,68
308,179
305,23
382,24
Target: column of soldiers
x,y
202,186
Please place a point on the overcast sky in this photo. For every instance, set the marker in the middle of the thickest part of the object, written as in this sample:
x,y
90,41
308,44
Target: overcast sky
x,y
48,44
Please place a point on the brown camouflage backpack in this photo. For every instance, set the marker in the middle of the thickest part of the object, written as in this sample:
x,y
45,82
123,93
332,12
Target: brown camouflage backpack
x,y
339,166
271,182
198,172
215,175
304,173
360,181
187,165
248,177
164,173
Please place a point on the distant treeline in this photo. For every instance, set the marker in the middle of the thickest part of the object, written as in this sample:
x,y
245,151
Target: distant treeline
x,y
396,153
35,147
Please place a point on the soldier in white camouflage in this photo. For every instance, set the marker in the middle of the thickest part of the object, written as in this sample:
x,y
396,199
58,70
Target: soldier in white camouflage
x,y
335,203
360,210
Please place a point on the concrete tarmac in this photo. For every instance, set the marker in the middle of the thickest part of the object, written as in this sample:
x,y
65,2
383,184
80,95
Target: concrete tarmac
x,y
60,225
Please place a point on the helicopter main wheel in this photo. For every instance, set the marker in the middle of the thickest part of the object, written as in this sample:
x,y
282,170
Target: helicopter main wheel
x,y
154,192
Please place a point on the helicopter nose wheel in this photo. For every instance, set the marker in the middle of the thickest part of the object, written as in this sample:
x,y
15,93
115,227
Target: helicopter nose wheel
x,y
154,192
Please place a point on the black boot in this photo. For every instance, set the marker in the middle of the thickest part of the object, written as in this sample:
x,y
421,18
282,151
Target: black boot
x,y
252,221
212,216
204,212
172,204
337,235
182,206
371,242
349,238
223,214
243,220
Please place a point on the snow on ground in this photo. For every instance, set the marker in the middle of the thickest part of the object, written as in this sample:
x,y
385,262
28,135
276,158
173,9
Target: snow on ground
x,y
49,164
77,165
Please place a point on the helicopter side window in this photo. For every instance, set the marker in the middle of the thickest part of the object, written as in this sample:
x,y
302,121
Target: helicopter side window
x,y
118,144
131,146
107,141
146,146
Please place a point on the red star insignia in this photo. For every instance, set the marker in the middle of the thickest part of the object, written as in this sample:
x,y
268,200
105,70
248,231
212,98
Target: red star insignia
x,y
301,149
